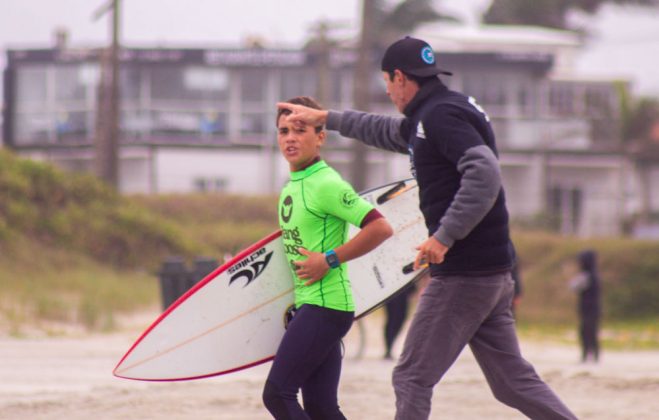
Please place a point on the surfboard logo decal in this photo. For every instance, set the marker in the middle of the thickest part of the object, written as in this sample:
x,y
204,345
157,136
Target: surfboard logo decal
x,y
378,276
287,209
254,270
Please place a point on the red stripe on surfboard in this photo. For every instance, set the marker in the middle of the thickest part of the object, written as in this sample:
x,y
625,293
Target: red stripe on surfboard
x,y
209,375
241,255
204,333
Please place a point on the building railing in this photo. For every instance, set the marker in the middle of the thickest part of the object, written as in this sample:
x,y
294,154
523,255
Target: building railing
x,y
547,133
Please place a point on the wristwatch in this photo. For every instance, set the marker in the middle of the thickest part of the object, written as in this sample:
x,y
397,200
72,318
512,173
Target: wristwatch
x,y
332,259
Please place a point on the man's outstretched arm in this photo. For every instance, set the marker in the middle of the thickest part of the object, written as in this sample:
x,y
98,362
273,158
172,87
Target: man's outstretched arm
x,y
381,131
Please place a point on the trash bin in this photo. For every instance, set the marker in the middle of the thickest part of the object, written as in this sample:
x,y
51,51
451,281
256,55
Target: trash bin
x,y
203,266
173,280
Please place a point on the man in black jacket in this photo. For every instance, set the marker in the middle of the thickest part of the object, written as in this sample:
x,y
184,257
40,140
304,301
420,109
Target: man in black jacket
x,y
453,156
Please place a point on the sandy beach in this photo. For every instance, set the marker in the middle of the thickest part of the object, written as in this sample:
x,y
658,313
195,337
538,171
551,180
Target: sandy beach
x,y
70,378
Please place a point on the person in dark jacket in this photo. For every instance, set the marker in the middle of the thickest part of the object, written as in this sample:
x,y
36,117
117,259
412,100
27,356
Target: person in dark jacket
x,y
395,310
587,286
453,157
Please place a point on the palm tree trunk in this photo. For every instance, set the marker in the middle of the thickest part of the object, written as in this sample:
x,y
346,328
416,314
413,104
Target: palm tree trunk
x,y
361,91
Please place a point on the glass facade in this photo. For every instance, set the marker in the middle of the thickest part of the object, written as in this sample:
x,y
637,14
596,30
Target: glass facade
x,y
54,103
232,101
174,103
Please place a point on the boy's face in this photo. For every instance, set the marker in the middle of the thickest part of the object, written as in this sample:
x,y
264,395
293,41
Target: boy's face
x,y
299,143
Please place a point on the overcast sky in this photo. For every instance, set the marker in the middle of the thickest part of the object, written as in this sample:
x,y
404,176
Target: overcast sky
x,y
625,41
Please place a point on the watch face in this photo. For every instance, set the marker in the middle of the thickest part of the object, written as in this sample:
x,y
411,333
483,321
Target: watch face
x,y
332,260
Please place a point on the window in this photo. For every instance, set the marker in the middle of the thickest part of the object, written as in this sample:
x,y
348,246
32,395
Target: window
x,y
213,123
70,83
297,82
32,127
565,205
253,123
205,184
71,125
189,83
130,84
253,85
31,90
562,99
489,92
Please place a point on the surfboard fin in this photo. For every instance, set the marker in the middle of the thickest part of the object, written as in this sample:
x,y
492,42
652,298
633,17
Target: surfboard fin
x,y
409,268
399,188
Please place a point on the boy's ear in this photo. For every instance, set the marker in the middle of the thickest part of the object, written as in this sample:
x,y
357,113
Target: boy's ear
x,y
321,137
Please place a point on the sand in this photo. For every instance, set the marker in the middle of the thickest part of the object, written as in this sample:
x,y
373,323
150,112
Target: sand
x,y
70,378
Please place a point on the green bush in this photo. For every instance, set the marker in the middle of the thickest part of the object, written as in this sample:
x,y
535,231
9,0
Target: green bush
x,y
80,212
72,250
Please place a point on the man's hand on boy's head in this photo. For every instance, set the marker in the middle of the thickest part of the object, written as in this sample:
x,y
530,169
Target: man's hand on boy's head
x,y
311,116
313,268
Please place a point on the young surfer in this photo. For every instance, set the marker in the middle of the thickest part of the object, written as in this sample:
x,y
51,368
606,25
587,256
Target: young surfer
x,y
315,207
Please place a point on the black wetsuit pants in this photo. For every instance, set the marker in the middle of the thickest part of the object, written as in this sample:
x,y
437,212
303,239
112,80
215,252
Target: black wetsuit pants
x,y
308,358
588,331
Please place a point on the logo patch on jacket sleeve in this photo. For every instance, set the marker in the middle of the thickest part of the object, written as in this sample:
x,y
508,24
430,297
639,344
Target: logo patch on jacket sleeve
x,y
420,132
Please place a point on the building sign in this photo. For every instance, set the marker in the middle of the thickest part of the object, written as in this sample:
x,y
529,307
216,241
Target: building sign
x,y
255,58
213,57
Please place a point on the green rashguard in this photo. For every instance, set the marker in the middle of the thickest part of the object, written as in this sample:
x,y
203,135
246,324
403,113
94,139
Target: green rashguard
x,y
315,208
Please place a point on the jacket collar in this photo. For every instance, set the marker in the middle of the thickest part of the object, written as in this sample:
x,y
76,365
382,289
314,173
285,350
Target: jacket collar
x,y
427,90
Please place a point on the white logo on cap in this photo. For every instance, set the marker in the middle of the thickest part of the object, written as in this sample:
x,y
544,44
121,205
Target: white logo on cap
x,y
427,55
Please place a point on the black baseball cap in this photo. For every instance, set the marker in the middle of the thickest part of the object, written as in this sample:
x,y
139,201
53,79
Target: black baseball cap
x,y
411,56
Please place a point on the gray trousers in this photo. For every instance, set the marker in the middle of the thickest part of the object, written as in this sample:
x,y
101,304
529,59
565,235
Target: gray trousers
x,y
455,311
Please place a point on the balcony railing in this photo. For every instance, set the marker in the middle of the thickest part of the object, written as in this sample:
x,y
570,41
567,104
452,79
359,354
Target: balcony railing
x,y
542,133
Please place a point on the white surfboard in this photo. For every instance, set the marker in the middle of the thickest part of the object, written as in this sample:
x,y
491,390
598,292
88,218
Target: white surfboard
x,y
234,318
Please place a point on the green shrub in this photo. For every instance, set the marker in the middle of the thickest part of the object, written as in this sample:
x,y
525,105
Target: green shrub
x,y
80,212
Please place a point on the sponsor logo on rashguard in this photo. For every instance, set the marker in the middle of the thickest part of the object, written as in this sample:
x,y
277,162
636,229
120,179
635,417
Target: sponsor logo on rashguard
x,y
287,209
292,241
348,198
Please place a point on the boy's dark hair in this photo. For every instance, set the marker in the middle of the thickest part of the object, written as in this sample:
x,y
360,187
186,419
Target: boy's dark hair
x,y
418,79
300,100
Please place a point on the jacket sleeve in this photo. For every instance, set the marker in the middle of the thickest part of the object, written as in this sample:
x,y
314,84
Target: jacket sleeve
x,y
381,131
480,176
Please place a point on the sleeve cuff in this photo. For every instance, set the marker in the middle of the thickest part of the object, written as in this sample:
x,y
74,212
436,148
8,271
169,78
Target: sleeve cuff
x,y
333,120
443,237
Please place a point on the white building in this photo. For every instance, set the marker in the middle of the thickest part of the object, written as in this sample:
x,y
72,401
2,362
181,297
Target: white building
x,y
204,119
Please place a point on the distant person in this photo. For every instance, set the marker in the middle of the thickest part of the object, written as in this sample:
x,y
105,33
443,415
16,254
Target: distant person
x,y
395,311
587,286
453,156
315,207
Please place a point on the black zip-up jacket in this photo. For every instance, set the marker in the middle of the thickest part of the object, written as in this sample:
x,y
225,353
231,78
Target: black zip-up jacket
x,y
589,296
454,159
